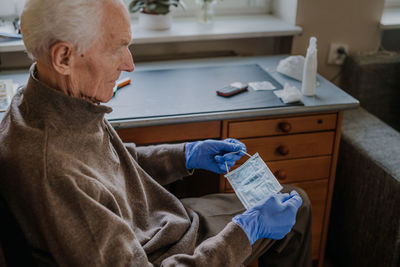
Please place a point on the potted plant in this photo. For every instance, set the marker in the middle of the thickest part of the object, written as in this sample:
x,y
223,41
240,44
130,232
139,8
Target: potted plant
x,y
154,14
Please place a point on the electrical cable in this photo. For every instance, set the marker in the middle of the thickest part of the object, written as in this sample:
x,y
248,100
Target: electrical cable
x,y
341,52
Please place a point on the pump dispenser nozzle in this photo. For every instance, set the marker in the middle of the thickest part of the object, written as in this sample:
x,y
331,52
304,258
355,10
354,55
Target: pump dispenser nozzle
x,y
313,43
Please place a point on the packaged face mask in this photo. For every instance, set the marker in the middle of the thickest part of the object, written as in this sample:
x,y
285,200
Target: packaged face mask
x,y
253,182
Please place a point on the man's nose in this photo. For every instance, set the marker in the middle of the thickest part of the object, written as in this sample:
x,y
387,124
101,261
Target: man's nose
x,y
127,64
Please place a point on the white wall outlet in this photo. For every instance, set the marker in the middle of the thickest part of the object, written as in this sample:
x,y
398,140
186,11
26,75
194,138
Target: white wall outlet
x,y
338,53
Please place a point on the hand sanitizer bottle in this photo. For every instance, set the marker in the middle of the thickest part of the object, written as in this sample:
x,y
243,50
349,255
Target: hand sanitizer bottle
x,y
310,69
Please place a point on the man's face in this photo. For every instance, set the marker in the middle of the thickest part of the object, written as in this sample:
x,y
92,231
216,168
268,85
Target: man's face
x,y
94,73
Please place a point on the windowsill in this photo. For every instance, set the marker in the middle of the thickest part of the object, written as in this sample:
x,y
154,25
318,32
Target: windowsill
x,y
390,19
188,29
224,27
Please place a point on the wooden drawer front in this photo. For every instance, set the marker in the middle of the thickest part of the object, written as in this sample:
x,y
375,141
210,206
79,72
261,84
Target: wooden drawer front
x,y
254,128
291,146
295,170
171,133
316,191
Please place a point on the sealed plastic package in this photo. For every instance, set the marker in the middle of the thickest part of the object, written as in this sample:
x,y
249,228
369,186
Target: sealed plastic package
x,y
253,182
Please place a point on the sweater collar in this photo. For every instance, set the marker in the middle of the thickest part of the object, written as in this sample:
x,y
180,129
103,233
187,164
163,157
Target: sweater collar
x,y
51,104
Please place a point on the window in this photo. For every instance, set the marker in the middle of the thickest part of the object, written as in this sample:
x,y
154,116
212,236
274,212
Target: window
x,y
228,7
392,3
11,8
391,15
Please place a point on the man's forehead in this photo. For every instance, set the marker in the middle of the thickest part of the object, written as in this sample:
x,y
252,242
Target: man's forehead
x,y
123,35
116,23
115,9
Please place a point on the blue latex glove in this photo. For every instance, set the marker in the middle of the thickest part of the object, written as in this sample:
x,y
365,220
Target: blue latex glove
x,y
272,219
211,155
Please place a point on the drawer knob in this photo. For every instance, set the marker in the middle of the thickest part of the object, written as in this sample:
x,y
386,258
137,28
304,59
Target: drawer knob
x,y
283,150
285,127
280,174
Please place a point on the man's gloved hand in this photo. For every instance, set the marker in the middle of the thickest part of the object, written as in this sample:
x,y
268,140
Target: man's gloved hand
x,y
211,155
272,219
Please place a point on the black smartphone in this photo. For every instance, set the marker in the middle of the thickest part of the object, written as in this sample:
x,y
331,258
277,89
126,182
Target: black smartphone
x,y
230,90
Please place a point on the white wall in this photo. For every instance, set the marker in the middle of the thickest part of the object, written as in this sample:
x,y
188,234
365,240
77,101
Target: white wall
x,y
355,23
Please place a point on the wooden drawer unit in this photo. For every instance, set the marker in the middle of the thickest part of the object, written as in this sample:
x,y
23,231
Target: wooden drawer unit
x,y
300,150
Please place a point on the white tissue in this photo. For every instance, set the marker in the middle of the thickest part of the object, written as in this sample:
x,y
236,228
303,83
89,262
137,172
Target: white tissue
x,y
237,85
289,94
292,66
263,85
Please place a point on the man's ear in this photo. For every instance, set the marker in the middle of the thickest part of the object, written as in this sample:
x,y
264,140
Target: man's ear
x,y
60,57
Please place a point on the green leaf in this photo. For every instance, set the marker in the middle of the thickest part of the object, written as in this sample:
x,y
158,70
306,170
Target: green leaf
x,y
161,9
135,6
151,7
154,6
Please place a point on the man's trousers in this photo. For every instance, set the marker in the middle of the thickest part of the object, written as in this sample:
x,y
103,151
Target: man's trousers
x,y
217,210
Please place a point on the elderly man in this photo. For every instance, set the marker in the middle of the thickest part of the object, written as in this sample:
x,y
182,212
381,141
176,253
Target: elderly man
x,y
83,198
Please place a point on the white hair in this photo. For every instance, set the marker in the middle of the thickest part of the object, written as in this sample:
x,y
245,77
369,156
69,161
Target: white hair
x,y
46,22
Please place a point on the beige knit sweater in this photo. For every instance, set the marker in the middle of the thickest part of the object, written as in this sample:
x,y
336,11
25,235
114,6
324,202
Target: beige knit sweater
x,y
83,198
